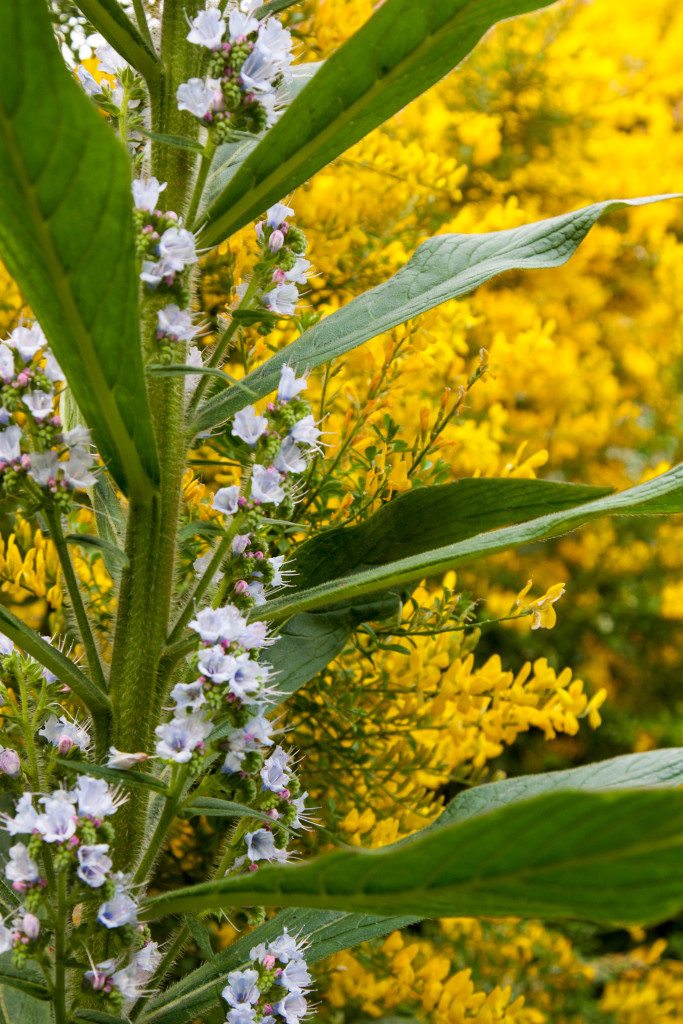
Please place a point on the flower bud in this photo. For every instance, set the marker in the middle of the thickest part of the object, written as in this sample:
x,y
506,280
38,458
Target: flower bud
x,y
9,763
276,241
30,925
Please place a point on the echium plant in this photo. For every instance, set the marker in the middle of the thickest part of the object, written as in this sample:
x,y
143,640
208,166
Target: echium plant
x,y
114,183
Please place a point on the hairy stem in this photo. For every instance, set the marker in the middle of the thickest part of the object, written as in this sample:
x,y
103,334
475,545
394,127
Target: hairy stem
x,y
76,598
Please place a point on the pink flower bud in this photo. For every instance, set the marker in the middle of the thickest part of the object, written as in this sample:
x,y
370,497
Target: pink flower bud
x,y
10,763
273,813
241,587
285,794
269,961
31,926
279,276
241,501
258,555
23,379
253,867
276,241
65,744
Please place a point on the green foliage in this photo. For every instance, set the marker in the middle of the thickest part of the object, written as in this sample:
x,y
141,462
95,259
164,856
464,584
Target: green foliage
x,y
613,858
66,234
442,268
664,494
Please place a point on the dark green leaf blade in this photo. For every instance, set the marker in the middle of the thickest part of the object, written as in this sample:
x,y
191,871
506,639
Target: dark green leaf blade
x,y
653,769
329,932
430,517
66,234
308,643
660,495
444,267
114,775
400,52
611,858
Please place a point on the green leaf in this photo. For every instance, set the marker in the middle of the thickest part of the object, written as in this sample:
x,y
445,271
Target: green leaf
x,y
112,553
309,642
110,521
66,235
176,141
445,267
213,807
121,778
663,494
611,858
328,932
108,18
400,52
26,979
201,935
653,769
99,1017
53,660
428,518
274,7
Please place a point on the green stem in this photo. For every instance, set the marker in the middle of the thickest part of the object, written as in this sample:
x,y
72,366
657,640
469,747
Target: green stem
x,y
59,992
85,630
200,182
167,815
204,583
175,947
29,733
141,18
221,347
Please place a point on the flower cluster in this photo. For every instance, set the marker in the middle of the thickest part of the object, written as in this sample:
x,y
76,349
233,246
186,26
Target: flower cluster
x,y
283,265
273,988
166,249
117,90
247,72
38,455
277,443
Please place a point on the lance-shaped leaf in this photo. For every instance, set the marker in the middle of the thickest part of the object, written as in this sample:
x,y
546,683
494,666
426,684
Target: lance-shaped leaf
x,y
612,858
655,769
421,520
400,52
307,643
442,268
328,932
54,661
109,18
663,494
66,234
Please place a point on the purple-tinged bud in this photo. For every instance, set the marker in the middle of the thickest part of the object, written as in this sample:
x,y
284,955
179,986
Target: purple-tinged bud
x,y
241,501
253,867
269,961
19,886
73,842
258,228
258,555
276,241
241,587
30,926
65,744
273,813
268,1008
285,794
279,276
10,763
